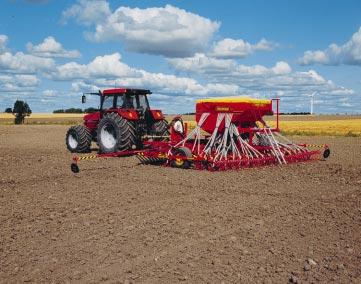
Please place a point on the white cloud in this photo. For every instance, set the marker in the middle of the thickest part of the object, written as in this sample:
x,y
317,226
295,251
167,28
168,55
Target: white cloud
x,y
231,48
3,42
265,45
108,70
170,84
211,76
49,93
87,12
21,63
346,105
252,79
159,83
215,77
221,78
51,48
200,62
203,64
18,83
348,53
171,94
310,57
24,63
27,80
107,66
18,71
167,31
280,68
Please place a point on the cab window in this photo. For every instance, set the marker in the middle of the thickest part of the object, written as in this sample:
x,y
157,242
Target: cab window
x,y
126,101
108,102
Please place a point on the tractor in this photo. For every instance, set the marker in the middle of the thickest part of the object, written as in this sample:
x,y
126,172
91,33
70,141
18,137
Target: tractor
x,y
123,119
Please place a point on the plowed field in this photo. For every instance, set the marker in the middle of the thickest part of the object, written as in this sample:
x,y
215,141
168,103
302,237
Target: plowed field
x,y
121,222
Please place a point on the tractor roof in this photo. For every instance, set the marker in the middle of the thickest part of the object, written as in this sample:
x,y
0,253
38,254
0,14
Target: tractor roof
x,y
122,91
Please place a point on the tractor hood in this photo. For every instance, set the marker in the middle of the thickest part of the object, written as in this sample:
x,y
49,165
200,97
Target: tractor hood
x,y
91,120
92,116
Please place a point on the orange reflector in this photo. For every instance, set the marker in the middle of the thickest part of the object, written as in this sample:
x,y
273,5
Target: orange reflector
x,y
222,108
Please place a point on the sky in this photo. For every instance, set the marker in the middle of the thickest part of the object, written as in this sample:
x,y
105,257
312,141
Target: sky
x,y
53,51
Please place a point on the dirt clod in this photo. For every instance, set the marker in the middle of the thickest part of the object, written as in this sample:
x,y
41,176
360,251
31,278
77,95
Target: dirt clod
x,y
293,279
311,262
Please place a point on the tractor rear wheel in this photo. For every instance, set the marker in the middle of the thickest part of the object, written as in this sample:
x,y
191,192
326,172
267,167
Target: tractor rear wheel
x,y
115,134
78,139
160,128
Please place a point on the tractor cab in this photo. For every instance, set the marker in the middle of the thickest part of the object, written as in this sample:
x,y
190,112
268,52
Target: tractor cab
x,y
131,104
135,99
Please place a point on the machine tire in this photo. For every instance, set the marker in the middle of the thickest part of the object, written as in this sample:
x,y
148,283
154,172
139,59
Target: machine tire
x,y
160,128
78,139
182,152
326,153
115,134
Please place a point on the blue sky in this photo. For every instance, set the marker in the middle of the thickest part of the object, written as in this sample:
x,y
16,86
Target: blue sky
x,y
52,51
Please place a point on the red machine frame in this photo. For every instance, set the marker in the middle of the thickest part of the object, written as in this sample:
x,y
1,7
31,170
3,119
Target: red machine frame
x,y
229,141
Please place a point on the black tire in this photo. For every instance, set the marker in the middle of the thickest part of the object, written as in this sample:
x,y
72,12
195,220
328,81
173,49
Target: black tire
x,y
78,139
326,153
181,152
160,128
115,134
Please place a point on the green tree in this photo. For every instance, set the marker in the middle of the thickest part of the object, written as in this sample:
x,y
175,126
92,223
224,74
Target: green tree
x,y
90,110
73,110
8,110
21,109
58,111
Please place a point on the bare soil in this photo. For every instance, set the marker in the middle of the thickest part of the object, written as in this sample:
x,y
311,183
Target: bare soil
x,y
121,222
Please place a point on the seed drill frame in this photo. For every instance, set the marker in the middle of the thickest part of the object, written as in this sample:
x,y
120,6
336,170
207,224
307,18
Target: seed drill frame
x,y
230,133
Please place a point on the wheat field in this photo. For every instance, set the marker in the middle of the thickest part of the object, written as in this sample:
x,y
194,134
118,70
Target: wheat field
x,y
334,125
45,118
346,127
45,115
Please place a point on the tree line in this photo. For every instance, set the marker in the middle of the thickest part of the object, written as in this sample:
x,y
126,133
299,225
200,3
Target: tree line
x,y
76,110
21,110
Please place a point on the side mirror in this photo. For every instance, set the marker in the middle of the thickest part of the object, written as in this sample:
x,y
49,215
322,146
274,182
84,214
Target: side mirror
x,y
83,99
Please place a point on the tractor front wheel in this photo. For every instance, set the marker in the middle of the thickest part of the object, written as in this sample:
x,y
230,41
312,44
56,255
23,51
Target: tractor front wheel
x,y
115,134
78,139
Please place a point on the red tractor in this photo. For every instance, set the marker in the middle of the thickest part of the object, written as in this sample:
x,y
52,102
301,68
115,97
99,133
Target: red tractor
x,y
123,119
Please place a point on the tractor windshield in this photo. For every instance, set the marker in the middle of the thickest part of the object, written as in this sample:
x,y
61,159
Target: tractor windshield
x,y
126,101
108,102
